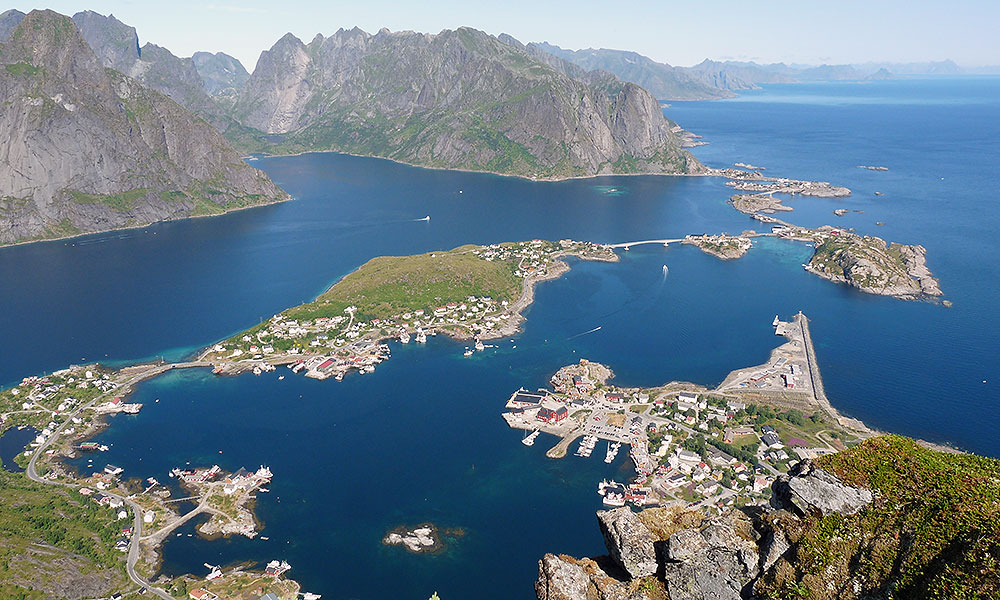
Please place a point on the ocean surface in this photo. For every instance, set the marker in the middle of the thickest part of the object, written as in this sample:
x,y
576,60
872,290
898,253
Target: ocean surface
x,y
421,439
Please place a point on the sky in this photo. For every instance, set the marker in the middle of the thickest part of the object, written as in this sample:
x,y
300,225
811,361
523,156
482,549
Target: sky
x,y
678,33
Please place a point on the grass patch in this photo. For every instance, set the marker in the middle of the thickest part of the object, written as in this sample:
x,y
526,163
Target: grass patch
x,y
388,285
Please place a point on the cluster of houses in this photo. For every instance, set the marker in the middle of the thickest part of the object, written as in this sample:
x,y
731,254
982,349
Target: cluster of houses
x,y
582,404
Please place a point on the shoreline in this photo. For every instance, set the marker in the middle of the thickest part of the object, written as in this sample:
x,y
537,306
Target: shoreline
x,y
143,226
709,170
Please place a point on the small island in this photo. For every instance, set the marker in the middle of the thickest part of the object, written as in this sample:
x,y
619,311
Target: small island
x,y
762,190
722,246
423,539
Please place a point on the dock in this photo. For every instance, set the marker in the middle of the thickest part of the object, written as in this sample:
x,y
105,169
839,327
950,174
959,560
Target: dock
x,y
562,448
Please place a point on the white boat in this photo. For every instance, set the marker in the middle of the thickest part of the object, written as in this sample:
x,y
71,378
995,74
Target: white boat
x,y
468,352
421,337
257,371
339,377
612,452
280,377
479,345
404,338
613,492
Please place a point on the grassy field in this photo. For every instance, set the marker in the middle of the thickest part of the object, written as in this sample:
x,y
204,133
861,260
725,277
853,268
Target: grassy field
x,y
56,542
389,285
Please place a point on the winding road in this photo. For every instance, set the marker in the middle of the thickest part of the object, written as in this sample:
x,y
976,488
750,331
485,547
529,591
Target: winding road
x,y
133,549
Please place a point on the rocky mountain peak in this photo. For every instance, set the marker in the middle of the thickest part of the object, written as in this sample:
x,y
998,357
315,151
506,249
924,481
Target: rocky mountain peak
x,y
115,43
9,19
87,148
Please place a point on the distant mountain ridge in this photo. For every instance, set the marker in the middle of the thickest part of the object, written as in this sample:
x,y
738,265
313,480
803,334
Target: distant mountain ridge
x,y
222,75
662,80
117,46
714,79
87,148
457,99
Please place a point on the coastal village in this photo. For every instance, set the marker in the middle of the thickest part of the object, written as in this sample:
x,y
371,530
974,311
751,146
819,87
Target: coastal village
x,y
689,445
336,344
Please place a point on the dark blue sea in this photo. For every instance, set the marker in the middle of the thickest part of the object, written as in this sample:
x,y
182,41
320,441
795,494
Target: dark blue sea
x,y
421,439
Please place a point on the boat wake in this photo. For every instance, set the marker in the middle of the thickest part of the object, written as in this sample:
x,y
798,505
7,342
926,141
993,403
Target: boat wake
x,y
573,337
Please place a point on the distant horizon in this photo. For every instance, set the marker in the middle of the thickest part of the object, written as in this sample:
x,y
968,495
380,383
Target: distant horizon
x,y
851,33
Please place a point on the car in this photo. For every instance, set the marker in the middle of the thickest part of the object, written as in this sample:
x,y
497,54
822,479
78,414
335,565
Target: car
x,y
597,418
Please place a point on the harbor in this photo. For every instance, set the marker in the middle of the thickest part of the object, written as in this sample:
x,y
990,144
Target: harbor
x,y
689,445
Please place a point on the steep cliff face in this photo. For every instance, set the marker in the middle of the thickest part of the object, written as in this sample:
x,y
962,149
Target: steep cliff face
x,y
89,149
458,99
117,46
886,519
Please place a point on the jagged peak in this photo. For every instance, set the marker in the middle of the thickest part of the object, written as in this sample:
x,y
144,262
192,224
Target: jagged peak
x,y
48,39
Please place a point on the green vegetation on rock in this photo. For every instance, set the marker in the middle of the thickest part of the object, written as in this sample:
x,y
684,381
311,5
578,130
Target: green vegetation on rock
x,y
56,542
933,530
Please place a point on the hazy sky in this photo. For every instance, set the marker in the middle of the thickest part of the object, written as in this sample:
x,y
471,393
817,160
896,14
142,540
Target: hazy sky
x,y
680,33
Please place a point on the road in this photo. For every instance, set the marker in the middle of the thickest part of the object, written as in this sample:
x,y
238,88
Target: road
x,y
133,549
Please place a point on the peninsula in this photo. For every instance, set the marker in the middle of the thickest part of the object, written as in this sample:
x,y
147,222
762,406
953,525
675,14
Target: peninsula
x,y
471,293
691,445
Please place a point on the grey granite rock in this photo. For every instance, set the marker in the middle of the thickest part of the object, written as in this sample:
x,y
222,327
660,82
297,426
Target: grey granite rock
x,y
628,541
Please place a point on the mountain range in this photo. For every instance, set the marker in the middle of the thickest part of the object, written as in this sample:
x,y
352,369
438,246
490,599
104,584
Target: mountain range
x,y
104,132
88,148
457,99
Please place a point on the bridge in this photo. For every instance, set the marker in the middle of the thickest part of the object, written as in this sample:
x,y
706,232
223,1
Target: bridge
x,y
626,245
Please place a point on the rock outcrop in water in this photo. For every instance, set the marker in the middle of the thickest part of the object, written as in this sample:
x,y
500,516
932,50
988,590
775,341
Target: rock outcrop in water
x,y
884,519
457,99
867,263
89,149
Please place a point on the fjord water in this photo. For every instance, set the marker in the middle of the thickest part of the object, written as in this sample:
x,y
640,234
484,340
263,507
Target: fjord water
x,y
421,439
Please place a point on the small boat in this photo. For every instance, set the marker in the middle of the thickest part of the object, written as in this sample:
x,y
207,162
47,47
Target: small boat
x,y
257,371
404,337
468,352
339,377
280,377
479,345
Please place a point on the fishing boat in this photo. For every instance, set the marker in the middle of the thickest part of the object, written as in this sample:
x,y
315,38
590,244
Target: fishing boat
x,y
613,493
612,452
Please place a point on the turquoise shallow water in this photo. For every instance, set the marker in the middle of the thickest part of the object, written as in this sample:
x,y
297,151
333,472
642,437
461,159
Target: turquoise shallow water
x,y
422,439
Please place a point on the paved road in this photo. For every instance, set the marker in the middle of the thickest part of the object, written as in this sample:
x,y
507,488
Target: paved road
x,y
133,550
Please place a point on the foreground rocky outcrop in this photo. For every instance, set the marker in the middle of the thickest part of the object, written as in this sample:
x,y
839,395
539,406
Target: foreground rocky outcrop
x,y
89,149
458,99
886,519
